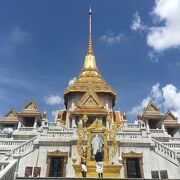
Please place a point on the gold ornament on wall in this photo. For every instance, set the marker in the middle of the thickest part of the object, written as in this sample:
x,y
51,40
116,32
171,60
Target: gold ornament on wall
x,y
85,118
74,159
109,119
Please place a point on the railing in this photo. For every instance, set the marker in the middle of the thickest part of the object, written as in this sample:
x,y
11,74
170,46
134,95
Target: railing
x,y
8,171
26,129
133,126
60,127
11,142
174,139
64,134
129,135
166,152
3,135
25,147
172,145
3,164
156,131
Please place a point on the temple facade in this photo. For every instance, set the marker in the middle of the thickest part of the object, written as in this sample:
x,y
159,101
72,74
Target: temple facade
x,y
33,146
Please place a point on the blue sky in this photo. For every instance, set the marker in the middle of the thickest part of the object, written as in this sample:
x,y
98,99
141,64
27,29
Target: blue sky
x,y
136,43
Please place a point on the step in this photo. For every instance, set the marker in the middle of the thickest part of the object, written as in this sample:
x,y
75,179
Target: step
x,y
67,178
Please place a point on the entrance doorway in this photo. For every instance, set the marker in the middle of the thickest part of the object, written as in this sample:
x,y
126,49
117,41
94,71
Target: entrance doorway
x,y
56,167
133,168
56,164
133,165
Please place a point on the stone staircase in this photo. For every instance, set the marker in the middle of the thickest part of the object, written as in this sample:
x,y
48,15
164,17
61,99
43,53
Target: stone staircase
x,y
63,178
9,161
166,152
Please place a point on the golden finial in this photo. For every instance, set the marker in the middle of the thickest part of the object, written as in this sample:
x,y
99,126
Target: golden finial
x,y
74,158
90,51
45,115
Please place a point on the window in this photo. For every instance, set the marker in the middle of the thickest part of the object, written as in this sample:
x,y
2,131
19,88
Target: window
x,y
133,168
164,174
155,174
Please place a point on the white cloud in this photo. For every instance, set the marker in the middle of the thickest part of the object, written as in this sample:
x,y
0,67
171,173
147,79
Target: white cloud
x,y
171,99
137,24
162,37
110,38
167,36
71,81
52,100
167,98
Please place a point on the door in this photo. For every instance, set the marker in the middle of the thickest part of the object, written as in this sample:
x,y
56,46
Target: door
x,y
57,167
133,168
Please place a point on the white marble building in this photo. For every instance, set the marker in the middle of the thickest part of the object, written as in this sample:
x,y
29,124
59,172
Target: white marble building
x,y
32,145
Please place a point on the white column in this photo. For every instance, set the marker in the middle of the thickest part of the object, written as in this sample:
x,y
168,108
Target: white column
x,y
35,123
107,124
73,122
147,125
81,121
19,124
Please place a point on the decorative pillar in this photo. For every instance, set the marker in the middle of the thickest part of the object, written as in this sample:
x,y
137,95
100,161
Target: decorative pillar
x,y
141,167
125,167
48,162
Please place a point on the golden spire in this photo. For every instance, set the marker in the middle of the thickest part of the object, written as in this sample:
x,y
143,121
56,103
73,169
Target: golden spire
x,y
90,62
90,51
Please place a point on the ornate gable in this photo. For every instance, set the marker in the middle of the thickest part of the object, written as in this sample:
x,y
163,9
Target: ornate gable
x,y
31,105
170,116
151,107
11,114
90,100
97,125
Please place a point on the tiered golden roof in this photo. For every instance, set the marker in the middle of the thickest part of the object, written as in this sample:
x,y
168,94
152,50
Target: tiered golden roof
x,y
90,76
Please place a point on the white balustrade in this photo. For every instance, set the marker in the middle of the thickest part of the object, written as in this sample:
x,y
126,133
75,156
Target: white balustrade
x,y
11,142
156,131
175,139
166,152
172,145
26,129
133,126
7,171
64,134
129,135
23,148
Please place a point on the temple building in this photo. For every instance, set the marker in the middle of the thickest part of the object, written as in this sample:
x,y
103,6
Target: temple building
x,y
33,146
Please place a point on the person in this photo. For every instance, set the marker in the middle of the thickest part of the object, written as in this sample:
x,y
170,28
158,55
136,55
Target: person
x,y
97,143
84,169
99,163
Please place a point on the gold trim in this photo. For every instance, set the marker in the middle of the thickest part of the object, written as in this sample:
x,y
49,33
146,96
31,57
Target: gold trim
x,y
90,100
133,154
56,153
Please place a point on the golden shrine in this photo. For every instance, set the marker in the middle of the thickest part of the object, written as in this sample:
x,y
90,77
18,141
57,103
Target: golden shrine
x,y
92,106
